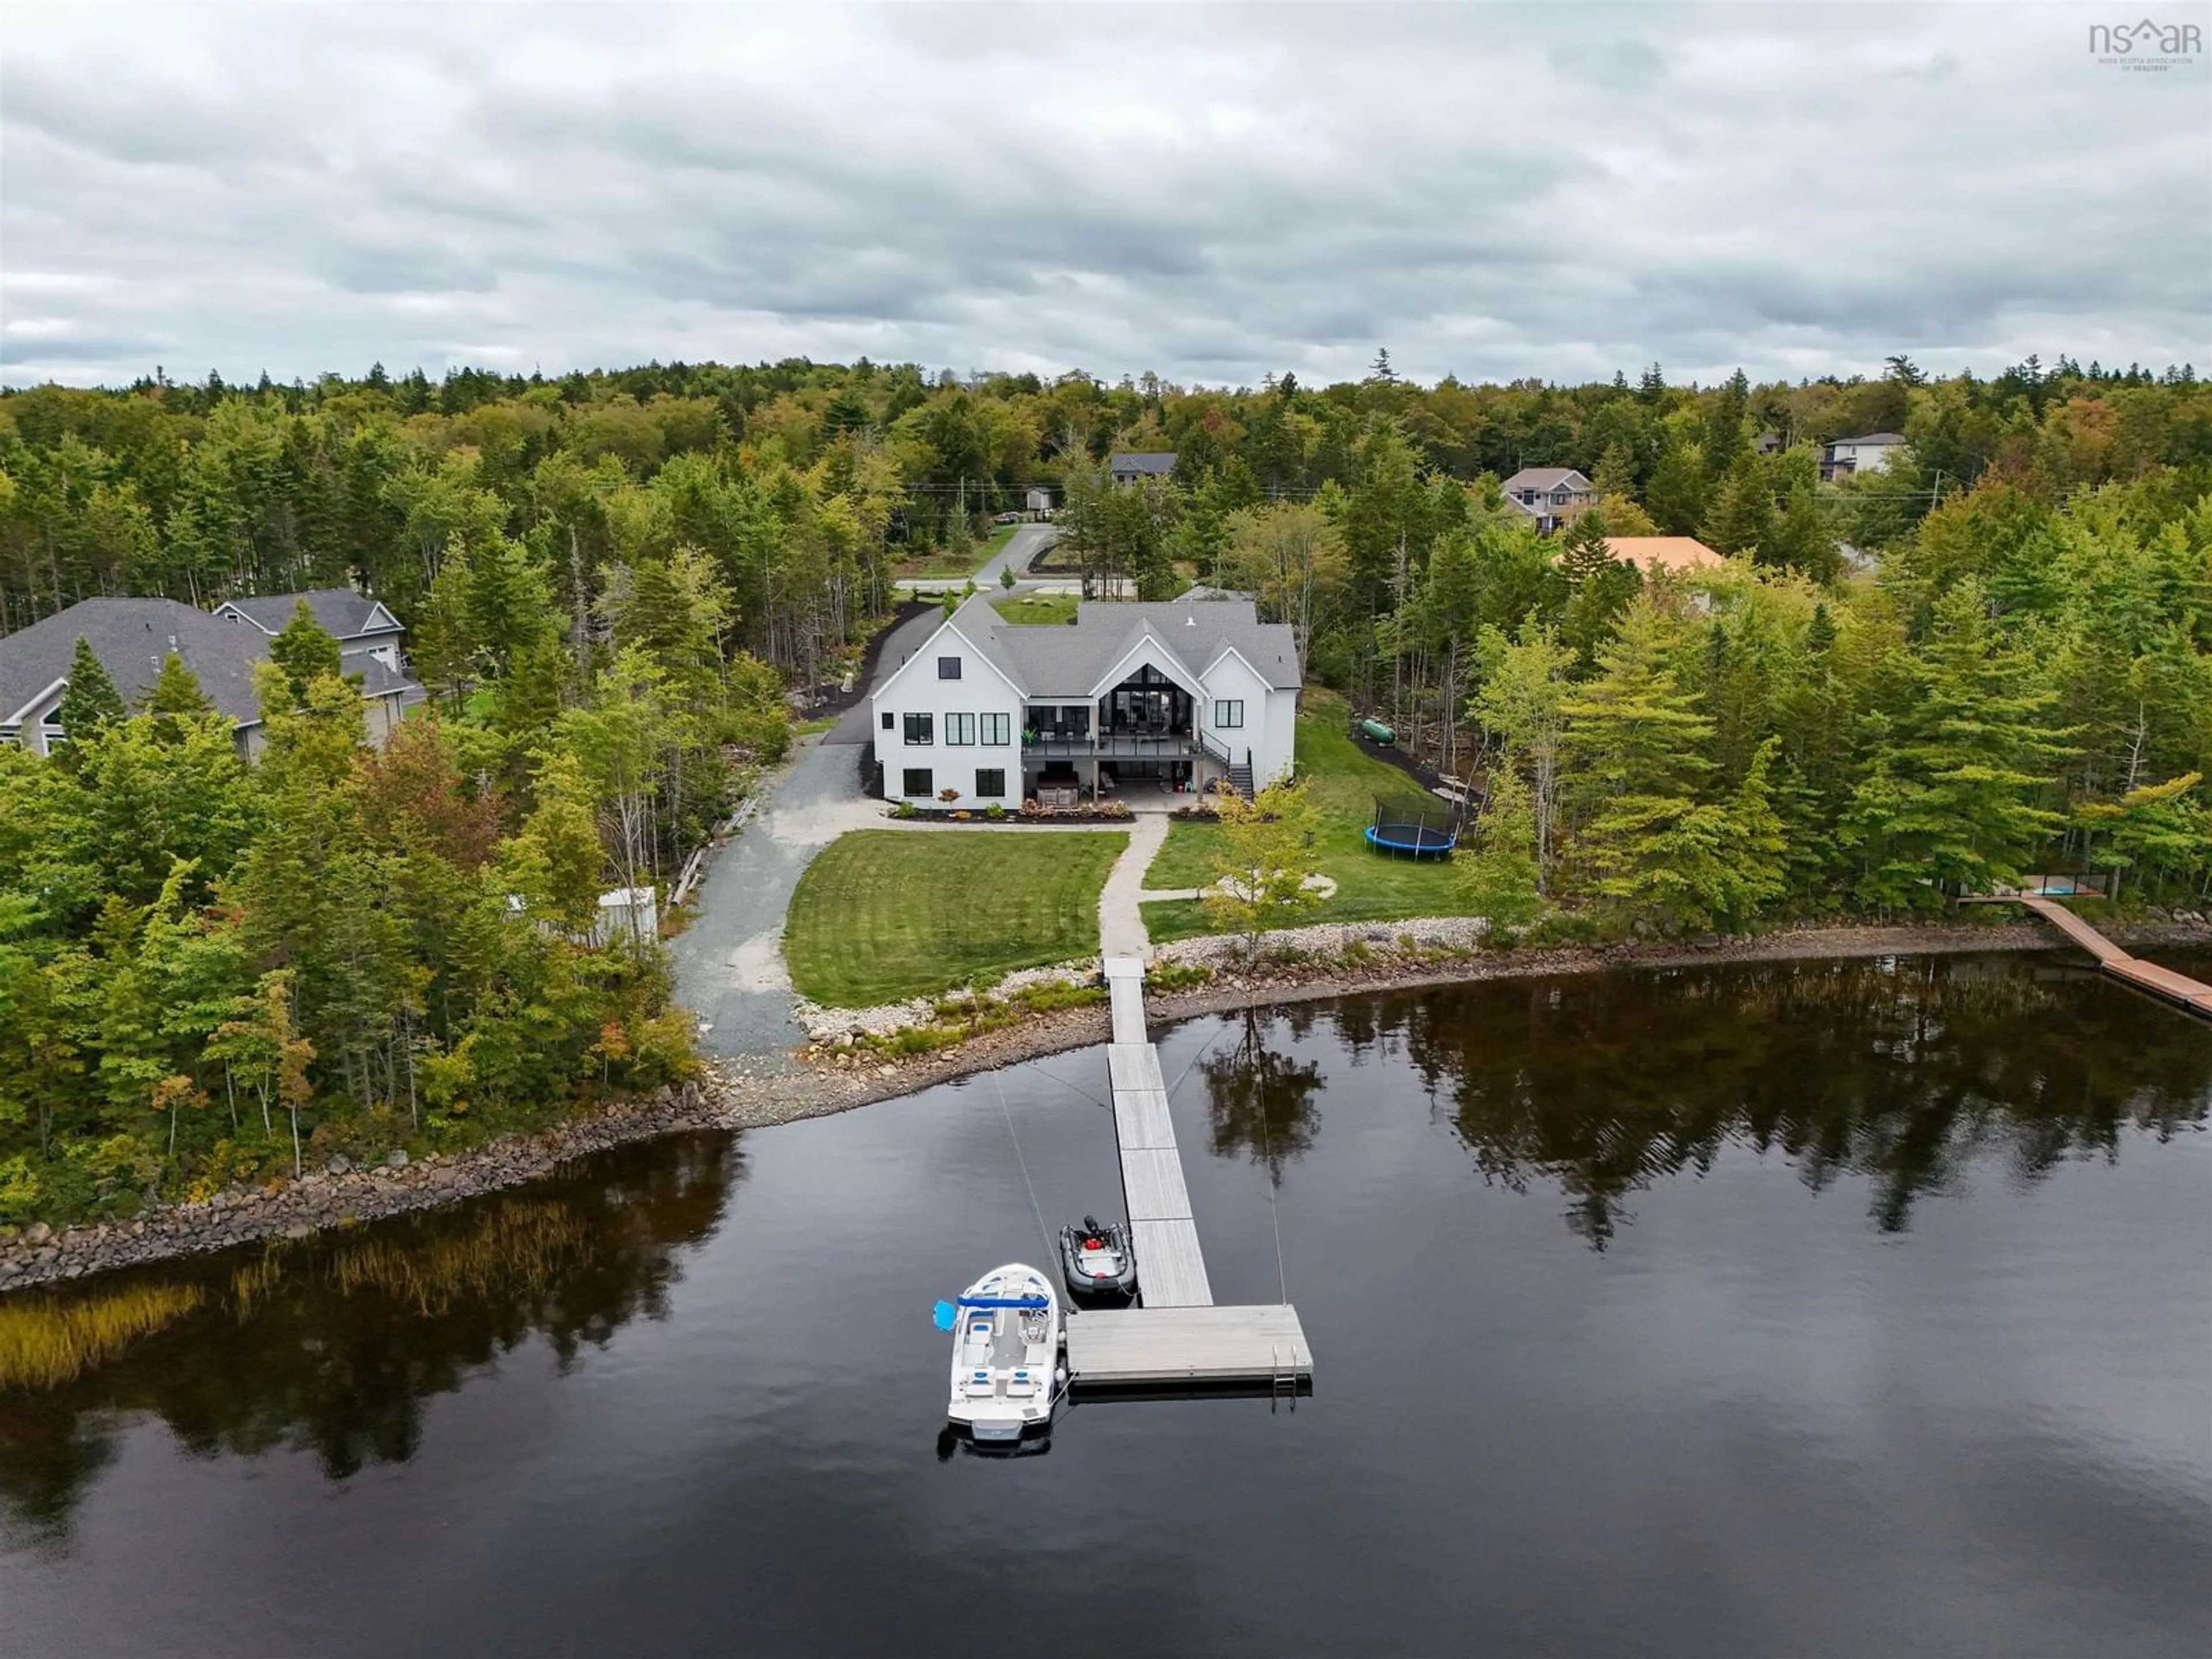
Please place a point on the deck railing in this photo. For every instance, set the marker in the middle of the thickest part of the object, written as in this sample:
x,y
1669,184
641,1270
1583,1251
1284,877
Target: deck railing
x,y
1123,745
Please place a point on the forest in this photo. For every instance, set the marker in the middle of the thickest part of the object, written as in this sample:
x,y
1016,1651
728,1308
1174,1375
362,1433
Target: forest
x,y
1994,656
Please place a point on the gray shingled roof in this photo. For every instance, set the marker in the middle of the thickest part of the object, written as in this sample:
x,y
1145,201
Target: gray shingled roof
x,y
131,637
1873,438
342,613
1053,660
1156,463
1544,478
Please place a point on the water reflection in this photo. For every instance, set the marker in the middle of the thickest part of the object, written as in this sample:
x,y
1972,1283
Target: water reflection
x,y
334,1344
1897,1071
1260,1101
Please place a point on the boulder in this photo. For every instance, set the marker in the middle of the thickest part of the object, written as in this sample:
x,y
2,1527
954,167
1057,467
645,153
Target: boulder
x,y
37,1233
340,1165
396,1159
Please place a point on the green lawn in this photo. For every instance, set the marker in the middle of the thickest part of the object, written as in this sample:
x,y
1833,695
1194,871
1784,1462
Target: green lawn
x,y
1342,784
884,915
938,565
1037,607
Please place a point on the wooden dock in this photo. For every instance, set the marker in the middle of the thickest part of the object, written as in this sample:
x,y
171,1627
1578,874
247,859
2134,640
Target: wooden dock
x,y
2179,989
1178,1336
1189,1347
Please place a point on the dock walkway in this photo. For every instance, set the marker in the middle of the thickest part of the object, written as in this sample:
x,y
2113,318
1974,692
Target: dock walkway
x,y
2179,989
1178,1336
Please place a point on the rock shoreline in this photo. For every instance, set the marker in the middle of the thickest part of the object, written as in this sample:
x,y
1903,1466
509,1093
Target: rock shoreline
x,y
736,1098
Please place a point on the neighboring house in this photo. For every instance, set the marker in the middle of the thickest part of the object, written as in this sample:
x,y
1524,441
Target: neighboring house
x,y
1178,694
1552,496
361,626
1869,453
1038,501
132,638
1128,466
1649,553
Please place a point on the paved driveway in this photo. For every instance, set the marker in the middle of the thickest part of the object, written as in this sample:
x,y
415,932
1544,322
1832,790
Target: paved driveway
x,y
1024,544
905,639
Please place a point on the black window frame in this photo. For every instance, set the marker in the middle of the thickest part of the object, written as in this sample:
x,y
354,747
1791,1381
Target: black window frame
x,y
982,794
948,668
925,724
955,723
891,721
1221,724
909,774
1002,724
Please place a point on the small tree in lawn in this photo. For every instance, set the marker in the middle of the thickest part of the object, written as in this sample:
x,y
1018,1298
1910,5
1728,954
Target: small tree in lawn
x,y
1267,854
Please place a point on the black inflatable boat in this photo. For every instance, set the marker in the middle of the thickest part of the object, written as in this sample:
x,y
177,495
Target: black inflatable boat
x,y
1097,1260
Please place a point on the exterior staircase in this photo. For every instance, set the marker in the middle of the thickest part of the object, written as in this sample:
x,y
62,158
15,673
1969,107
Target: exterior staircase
x,y
1240,778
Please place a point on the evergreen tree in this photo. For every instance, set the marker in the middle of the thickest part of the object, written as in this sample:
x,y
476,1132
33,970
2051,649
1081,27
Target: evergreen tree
x,y
1742,512
1676,496
1616,471
1583,549
1634,739
1958,795
1821,632
303,652
176,694
1501,880
1725,444
1798,538
90,702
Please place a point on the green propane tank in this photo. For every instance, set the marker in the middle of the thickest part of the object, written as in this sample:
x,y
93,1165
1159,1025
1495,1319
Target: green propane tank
x,y
1379,731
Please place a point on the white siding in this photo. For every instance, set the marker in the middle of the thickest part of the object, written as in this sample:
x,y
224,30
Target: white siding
x,y
1866,457
916,689
1270,719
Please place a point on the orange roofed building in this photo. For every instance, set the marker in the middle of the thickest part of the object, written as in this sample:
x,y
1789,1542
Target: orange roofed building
x,y
1679,554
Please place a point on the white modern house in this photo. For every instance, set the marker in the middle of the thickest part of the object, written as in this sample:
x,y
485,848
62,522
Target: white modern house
x,y
1137,698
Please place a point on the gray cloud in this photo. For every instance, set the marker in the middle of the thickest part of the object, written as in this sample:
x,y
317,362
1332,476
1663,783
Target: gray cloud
x,y
1208,192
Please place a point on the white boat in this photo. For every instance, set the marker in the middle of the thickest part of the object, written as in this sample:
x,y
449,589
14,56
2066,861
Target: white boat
x,y
1007,1373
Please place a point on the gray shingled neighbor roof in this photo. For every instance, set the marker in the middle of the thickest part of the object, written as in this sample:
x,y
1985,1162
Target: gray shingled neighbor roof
x,y
342,613
1544,478
1151,462
1053,660
131,637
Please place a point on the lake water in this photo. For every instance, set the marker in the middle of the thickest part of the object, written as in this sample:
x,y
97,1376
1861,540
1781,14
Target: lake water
x,y
1831,1308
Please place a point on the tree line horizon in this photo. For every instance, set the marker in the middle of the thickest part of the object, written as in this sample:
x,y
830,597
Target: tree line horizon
x,y
1993,656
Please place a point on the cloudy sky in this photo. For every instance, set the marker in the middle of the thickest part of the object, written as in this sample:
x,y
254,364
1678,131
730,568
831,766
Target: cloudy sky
x,y
1210,193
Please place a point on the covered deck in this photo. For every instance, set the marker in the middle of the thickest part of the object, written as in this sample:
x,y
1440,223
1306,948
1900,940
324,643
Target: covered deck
x,y
1141,736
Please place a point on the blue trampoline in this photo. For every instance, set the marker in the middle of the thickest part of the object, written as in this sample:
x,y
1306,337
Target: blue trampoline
x,y
1415,830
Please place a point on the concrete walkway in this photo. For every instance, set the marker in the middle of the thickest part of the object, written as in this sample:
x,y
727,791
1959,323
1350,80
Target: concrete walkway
x,y
1121,918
